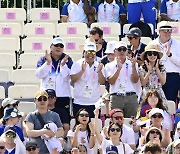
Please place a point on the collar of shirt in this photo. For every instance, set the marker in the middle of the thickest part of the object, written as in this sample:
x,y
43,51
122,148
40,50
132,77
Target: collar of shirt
x,y
172,2
72,3
114,2
139,47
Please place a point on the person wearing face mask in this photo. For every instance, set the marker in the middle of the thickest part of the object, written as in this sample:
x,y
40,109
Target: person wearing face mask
x,y
54,71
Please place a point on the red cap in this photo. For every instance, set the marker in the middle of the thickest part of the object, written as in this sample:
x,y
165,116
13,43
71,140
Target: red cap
x,y
114,111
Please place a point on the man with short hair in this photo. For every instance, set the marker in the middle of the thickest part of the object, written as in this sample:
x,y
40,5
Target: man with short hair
x,y
122,75
137,47
152,148
97,34
54,71
171,59
32,148
36,120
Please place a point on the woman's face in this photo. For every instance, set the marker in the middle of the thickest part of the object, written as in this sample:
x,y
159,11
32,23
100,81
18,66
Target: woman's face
x,y
115,131
156,119
83,117
153,100
152,56
154,135
82,150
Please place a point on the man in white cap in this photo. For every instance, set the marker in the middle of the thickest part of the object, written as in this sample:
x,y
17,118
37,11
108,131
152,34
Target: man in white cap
x,y
122,75
177,147
171,59
87,75
54,71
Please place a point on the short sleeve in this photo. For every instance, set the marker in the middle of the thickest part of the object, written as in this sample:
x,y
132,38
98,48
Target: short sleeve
x,y
70,133
96,6
57,120
121,8
163,8
64,11
29,118
76,68
128,149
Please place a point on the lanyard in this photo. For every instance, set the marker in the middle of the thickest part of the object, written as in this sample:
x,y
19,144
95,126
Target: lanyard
x,y
94,73
105,11
58,67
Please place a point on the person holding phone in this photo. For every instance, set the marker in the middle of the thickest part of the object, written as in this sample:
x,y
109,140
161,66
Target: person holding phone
x,y
152,72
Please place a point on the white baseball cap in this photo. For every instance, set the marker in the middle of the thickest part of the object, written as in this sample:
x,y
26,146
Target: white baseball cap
x,y
120,44
154,111
110,47
90,46
57,40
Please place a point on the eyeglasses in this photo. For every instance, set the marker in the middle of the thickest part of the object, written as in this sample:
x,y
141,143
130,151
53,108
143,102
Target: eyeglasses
x,y
119,118
59,45
115,129
10,135
11,105
157,116
2,147
150,53
51,97
167,30
90,52
130,38
84,115
42,99
155,132
122,49
31,148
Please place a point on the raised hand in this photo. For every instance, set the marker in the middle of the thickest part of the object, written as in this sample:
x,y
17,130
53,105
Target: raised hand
x,y
91,126
133,61
63,61
167,50
149,67
157,64
100,66
119,63
48,57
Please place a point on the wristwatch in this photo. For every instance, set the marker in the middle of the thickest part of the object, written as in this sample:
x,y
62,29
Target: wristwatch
x,y
170,55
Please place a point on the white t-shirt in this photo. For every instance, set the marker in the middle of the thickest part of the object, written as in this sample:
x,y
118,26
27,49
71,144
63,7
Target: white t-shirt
x,y
105,143
87,88
82,139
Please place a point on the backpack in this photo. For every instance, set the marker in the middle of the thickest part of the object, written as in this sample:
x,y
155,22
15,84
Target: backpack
x,y
144,27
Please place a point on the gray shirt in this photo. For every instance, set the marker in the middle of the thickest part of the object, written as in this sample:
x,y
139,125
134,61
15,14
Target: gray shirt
x,y
49,116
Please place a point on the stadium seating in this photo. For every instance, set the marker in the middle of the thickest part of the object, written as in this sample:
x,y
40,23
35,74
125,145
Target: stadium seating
x,y
2,92
26,107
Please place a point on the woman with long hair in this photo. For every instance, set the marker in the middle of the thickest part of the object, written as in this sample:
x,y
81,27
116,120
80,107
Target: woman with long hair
x,y
152,72
83,131
114,133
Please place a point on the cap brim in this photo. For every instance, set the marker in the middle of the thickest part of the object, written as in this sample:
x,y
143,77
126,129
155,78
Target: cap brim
x,y
99,47
40,96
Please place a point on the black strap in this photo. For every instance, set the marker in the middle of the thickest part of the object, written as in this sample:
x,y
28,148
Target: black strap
x,y
38,115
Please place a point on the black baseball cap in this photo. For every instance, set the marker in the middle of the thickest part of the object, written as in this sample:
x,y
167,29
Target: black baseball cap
x,y
135,31
31,144
51,92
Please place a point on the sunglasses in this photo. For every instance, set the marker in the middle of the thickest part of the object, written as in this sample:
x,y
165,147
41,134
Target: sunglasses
x,y
51,97
157,116
31,148
42,99
122,49
2,147
150,53
119,118
10,135
12,105
167,30
115,129
84,115
130,38
155,132
90,52
59,45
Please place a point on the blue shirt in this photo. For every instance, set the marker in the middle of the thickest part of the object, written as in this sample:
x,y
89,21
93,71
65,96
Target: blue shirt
x,y
12,152
109,12
18,131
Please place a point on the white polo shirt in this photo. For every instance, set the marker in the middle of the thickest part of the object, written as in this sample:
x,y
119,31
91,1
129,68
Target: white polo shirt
x,y
87,83
172,9
172,64
109,12
124,79
75,12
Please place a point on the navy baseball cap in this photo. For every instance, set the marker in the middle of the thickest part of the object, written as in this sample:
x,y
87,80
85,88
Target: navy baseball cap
x,y
51,92
111,149
135,31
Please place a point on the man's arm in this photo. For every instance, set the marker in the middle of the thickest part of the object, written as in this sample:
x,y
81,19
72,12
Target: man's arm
x,y
166,18
87,9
